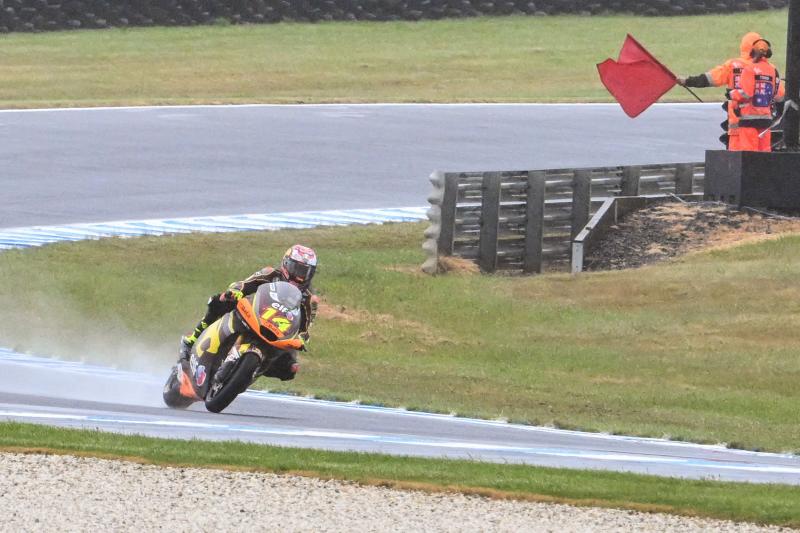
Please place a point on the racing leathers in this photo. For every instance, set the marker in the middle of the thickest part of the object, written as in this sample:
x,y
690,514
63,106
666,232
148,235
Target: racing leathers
x,y
222,303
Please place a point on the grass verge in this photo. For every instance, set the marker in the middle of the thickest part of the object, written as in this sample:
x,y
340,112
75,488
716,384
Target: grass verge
x,y
768,504
701,349
504,59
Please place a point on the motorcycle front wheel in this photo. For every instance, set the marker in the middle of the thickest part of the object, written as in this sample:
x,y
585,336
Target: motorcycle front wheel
x,y
220,395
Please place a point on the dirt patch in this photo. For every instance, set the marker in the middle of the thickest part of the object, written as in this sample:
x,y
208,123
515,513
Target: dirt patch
x,y
457,265
414,270
349,314
339,312
668,230
379,325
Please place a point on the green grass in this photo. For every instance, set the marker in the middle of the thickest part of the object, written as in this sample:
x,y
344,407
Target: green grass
x,y
506,59
703,349
770,504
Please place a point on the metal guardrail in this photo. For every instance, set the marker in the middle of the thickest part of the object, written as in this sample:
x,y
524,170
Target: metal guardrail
x,y
520,220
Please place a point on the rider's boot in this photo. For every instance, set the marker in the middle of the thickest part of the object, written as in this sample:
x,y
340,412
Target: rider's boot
x,y
188,341
186,348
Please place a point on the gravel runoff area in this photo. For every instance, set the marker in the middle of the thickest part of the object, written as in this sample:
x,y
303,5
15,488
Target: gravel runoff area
x,y
666,230
65,493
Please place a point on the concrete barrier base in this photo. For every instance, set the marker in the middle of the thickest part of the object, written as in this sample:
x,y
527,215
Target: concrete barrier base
x,y
754,179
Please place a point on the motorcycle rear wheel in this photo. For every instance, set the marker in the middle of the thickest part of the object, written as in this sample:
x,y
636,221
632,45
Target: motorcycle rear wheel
x,y
172,396
218,398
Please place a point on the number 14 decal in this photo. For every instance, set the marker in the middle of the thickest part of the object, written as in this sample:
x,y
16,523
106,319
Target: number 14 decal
x,y
282,323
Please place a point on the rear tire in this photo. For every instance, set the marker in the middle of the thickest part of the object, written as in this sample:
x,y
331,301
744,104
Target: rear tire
x,y
172,395
237,383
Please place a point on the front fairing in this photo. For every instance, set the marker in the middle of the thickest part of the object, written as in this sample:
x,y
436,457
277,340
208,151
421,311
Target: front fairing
x,y
273,313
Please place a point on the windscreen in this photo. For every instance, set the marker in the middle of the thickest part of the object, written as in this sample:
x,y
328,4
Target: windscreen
x,y
277,305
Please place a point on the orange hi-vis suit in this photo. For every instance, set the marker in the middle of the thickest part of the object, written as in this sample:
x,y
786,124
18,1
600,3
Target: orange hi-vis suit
x,y
728,75
759,87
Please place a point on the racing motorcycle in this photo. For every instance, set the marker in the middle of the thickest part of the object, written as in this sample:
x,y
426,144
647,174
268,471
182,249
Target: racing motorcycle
x,y
259,337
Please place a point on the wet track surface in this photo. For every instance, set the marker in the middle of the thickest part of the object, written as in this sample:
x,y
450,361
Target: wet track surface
x,y
65,394
100,165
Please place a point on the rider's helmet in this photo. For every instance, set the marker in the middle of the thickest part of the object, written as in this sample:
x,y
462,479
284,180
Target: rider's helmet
x,y
299,264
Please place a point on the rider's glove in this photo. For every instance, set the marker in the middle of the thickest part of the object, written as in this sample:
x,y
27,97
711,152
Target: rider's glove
x,y
306,339
233,295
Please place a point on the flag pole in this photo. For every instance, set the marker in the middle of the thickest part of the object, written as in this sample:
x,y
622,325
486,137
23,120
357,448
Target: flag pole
x,y
790,104
693,93
791,127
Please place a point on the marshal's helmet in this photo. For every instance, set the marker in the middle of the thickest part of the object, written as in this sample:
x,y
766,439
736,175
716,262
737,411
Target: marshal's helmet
x,y
761,48
299,264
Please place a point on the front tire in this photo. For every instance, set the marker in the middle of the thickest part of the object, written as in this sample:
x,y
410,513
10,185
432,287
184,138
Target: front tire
x,y
220,397
172,395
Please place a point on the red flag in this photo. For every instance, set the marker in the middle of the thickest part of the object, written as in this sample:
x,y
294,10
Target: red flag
x,y
636,79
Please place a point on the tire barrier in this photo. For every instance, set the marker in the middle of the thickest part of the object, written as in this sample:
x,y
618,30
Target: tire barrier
x,y
51,15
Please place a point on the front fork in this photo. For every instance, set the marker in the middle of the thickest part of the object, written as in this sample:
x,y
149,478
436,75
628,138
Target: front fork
x,y
241,346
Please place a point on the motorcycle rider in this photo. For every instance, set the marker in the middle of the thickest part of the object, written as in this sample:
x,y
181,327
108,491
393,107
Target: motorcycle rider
x,y
298,266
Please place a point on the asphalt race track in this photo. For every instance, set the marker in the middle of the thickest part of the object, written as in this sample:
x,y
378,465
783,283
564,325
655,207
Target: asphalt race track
x,y
99,165
74,395
72,166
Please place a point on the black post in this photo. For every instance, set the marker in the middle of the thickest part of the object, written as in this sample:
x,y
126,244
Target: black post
x,y
581,200
490,222
630,181
684,177
791,124
534,223
448,221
